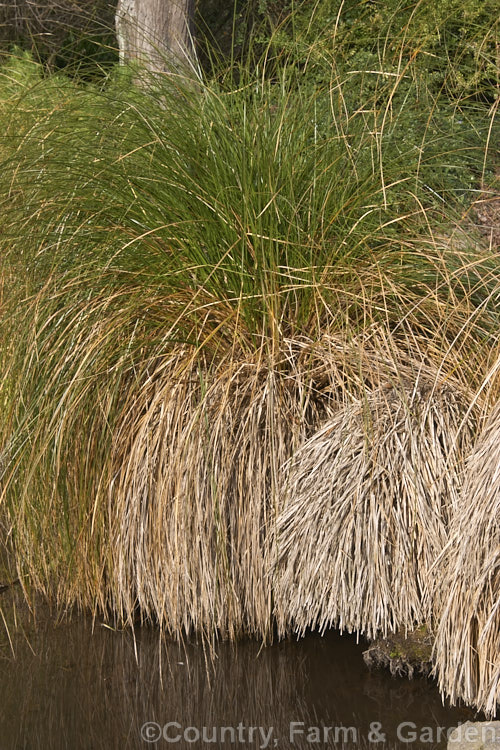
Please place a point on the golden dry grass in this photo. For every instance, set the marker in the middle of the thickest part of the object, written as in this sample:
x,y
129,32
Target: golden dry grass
x,y
366,503
194,463
177,526
467,647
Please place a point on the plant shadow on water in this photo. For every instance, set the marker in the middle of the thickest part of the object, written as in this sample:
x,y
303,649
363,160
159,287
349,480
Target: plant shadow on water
x,y
75,685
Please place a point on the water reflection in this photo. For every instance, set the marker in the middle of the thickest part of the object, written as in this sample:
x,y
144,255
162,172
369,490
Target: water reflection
x,y
74,687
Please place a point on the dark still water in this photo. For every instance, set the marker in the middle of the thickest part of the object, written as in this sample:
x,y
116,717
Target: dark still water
x,y
72,687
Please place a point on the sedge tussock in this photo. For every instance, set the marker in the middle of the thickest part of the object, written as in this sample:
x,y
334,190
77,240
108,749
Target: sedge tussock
x,y
236,337
366,503
467,646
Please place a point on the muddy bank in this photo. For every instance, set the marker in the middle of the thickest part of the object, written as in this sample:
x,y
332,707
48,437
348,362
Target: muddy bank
x,y
403,654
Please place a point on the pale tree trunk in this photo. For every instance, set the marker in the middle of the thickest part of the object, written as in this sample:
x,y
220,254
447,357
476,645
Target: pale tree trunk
x,y
157,33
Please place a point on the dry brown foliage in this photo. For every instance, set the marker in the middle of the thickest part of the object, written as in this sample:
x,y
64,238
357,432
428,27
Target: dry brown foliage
x,y
366,504
467,648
